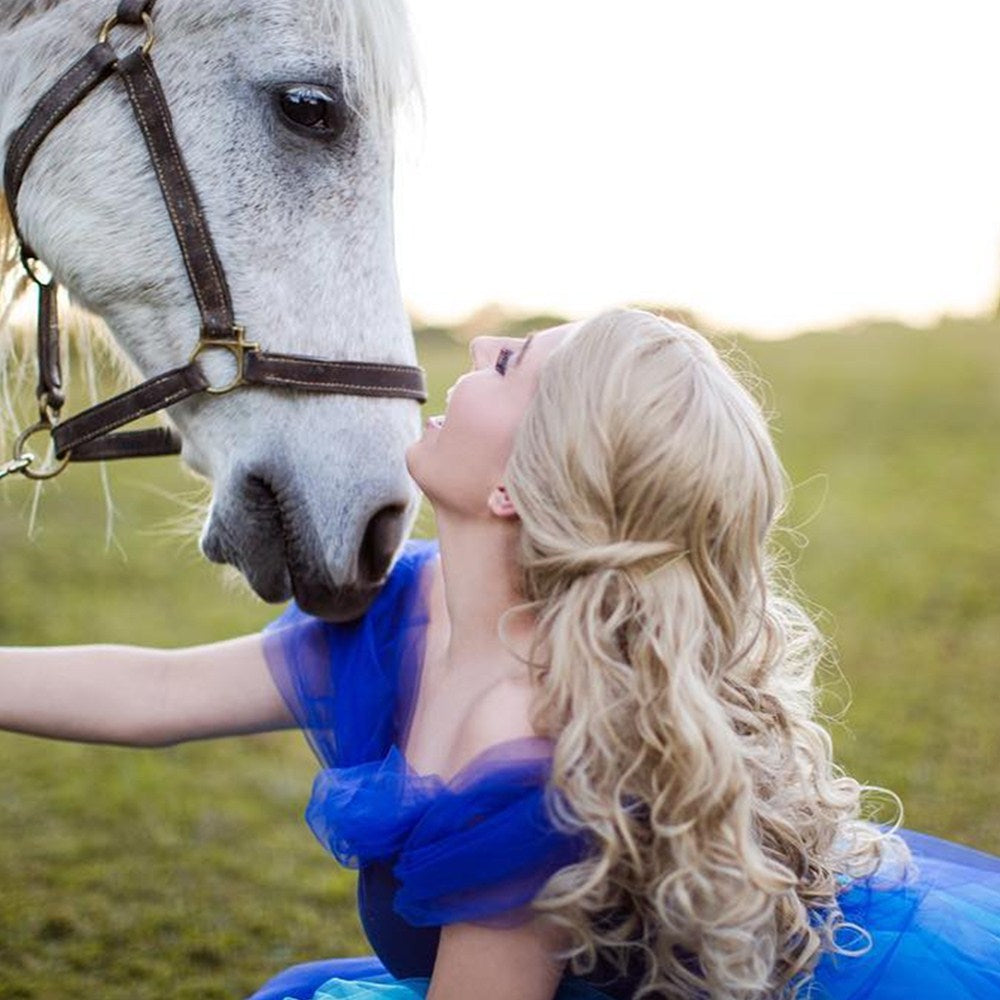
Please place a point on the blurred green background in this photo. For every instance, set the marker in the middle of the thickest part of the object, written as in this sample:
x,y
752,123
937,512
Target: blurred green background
x,y
189,873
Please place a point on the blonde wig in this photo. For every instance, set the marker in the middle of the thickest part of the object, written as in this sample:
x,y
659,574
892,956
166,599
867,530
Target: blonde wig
x,y
676,675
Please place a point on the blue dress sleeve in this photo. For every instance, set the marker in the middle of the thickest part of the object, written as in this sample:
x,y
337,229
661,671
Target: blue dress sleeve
x,y
340,680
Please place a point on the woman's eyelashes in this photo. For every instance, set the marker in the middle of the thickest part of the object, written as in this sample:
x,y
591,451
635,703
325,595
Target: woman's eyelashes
x,y
502,358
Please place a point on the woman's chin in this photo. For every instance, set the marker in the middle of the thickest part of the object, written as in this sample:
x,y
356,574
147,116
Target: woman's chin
x,y
416,462
408,459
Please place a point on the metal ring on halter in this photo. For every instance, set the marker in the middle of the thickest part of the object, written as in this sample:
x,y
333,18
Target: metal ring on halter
x,y
20,455
110,23
238,348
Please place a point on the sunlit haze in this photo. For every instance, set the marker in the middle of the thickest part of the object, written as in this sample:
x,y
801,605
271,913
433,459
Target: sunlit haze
x,y
771,166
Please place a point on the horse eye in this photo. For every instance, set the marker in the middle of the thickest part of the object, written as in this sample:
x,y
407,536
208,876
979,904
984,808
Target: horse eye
x,y
313,110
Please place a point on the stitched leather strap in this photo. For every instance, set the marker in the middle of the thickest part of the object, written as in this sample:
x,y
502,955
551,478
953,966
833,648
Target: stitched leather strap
x,y
200,259
88,435
68,91
355,378
150,397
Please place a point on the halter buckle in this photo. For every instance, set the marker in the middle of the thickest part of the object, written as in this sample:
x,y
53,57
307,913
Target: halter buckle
x,y
111,22
238,348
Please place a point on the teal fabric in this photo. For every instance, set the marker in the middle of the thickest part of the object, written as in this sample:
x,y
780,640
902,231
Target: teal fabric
x,y
387,988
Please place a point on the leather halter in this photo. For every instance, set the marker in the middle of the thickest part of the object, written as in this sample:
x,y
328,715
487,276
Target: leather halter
x,y
88,435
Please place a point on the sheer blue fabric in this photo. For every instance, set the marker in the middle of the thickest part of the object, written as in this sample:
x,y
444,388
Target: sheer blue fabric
x,y
479,846
934,935
440,833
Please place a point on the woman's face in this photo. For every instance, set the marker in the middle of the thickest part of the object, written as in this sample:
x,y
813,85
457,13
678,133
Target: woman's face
x,y
462,456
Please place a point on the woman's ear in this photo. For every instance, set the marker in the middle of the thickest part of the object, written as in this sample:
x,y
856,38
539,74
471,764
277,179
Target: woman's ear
x,y
500,503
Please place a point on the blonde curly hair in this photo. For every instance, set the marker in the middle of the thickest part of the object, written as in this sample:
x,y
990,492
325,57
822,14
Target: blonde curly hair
x,y
676,673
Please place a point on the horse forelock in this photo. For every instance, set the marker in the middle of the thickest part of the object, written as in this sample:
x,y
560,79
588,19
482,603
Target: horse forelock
x,y
373,43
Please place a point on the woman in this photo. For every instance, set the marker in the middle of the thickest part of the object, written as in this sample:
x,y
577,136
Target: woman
x,y
572,746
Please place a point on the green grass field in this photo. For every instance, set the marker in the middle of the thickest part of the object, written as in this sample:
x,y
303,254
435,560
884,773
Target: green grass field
x,y
189,873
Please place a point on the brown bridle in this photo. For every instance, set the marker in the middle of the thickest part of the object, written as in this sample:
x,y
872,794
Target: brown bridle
x,y
88,436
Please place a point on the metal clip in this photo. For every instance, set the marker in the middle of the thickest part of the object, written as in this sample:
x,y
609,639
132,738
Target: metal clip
x,y
16,466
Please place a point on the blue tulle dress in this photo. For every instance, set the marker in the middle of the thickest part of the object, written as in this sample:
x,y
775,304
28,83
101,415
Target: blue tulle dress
x,y
479,847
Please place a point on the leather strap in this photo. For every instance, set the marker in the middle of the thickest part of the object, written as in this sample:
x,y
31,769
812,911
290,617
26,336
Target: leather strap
x,y
200,259
93,427
150,443
150,397
355,378
50,384
131,11
68,91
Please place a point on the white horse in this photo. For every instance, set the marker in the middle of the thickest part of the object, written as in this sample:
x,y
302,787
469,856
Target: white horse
x,y
310,492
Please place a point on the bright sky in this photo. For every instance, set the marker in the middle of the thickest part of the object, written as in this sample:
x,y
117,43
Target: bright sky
x,y
771,165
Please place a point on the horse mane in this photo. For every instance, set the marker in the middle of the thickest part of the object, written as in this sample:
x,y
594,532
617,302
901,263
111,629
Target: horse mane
x,y
85,337
14,285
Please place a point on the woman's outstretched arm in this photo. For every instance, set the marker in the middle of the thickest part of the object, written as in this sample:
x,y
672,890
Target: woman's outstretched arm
x,y
140,697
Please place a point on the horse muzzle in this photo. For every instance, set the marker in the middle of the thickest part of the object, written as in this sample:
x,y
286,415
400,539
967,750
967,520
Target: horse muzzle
x,y
264,527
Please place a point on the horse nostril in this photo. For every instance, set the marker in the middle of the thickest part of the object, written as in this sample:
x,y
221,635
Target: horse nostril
x,y
379,543
261,501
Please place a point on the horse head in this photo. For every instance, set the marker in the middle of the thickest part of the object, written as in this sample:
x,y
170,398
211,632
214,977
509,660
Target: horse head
x,y
283,112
